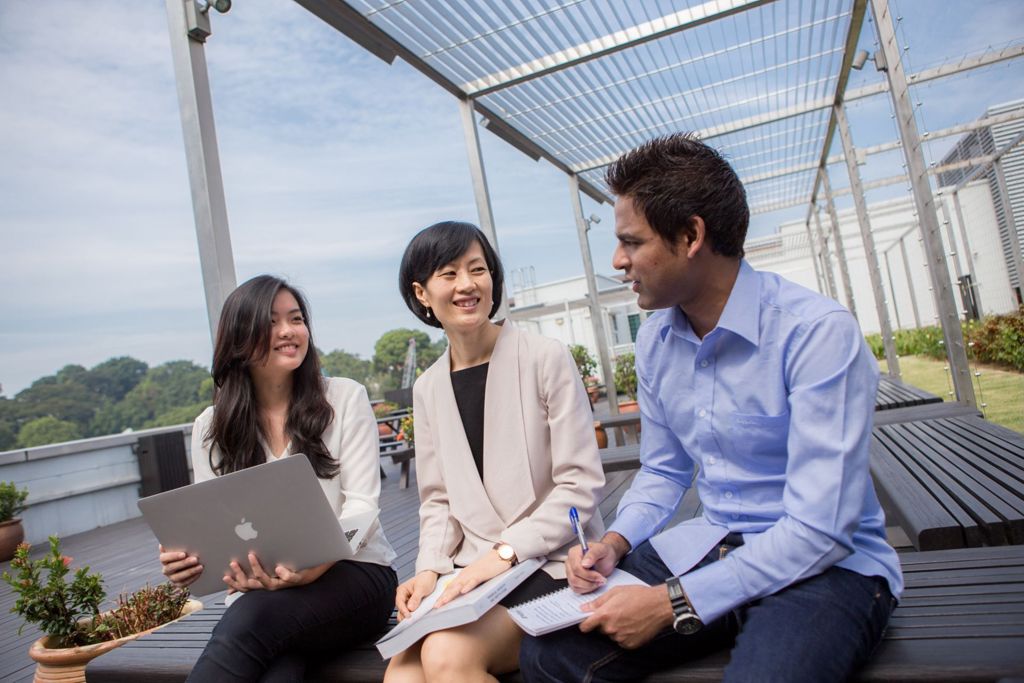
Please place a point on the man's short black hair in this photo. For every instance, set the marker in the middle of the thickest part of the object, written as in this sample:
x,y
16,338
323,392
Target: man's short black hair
x,y
673,178
436,246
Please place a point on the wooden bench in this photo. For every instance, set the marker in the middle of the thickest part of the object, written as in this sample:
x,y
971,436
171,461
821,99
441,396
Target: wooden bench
x,y
951,482
961,618
893,393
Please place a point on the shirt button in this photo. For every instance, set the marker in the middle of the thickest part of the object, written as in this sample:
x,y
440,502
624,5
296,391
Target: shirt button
x,y
735,516
728,494
711,460
703,363
703,413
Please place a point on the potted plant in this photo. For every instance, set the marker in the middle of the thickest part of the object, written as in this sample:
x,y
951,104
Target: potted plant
x,y
625,382
68,613
12,502
586,365
406,432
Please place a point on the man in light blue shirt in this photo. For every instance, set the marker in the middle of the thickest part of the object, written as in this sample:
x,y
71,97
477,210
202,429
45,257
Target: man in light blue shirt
x,y
765,390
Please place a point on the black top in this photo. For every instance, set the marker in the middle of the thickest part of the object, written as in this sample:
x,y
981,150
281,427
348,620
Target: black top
x,y
469,385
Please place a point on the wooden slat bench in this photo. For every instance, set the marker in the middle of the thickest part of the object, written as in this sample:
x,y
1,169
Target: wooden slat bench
x,y
951,482
893,393
961,619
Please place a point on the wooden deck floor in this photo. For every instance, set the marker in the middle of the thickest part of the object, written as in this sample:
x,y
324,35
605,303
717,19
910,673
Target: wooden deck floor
x,y
125,554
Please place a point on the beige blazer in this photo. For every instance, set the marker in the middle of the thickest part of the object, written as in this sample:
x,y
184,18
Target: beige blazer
x,y
540,458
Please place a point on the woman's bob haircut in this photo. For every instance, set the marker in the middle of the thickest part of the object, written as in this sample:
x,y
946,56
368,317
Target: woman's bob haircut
x,y
437,246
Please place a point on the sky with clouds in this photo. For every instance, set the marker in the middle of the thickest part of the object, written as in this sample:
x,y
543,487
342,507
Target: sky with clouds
x,y
331,160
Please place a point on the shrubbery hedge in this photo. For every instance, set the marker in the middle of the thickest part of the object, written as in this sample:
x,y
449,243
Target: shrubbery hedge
x,y
997,339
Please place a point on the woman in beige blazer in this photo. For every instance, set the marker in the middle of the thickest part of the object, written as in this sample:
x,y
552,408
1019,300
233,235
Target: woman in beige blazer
x,y
504,448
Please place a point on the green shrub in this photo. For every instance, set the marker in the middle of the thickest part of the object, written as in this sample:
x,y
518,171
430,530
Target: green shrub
x,y
12,500
996,339
625,375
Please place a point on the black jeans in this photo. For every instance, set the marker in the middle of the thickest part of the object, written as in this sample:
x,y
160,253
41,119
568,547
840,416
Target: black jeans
x,y
270,635
820,630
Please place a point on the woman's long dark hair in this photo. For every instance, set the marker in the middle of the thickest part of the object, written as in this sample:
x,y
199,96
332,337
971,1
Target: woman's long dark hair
x,y
243,340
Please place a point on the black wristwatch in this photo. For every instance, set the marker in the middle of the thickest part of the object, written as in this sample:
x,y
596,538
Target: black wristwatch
x,y
686,621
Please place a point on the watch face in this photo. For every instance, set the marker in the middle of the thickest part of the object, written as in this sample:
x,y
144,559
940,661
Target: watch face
x,y
687,624
506,552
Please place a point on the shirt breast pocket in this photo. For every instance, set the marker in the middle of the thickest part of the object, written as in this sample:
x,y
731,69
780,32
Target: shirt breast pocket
x,y
759,435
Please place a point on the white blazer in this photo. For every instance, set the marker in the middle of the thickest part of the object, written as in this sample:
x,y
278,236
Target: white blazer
x,y
540,458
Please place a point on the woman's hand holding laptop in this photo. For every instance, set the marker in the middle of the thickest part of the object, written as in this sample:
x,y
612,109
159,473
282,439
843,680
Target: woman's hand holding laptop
x,y
180,568
238,580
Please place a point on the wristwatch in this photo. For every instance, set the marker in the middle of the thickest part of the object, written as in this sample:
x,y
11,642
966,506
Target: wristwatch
x,y
686,621
507,553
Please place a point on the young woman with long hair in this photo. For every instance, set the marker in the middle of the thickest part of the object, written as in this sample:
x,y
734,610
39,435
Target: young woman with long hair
x,y
505,447
271,402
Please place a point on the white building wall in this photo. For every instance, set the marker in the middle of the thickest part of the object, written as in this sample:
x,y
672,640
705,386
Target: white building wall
x,y
561,310
891,221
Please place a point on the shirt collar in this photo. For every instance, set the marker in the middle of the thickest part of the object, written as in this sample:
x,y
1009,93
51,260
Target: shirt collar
x,y
741,315
742,312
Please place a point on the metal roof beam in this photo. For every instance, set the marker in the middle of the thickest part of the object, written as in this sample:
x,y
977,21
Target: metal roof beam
x,y
949,69
981,162
1014,115
706,12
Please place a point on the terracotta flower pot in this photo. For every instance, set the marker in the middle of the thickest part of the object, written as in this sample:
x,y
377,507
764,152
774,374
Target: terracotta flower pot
x,y
601,434
67,664
11,534
629,407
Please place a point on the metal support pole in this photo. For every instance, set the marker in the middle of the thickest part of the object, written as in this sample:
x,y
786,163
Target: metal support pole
x,y
188,31
918,171
479,177
910,284
874,272
814,258
844,266
892,290
953,254
966,245
1011,224
596,313
826,257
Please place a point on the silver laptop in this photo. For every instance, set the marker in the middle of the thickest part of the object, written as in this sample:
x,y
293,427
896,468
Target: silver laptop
x,y
276,510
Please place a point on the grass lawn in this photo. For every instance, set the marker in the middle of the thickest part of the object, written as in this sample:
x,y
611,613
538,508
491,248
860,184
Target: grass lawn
x,y
1000,392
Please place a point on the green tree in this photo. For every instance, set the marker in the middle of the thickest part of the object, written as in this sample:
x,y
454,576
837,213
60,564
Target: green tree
x,y
339,363
71,401
115,377
171,385
8,424
177,416
46,430
389,352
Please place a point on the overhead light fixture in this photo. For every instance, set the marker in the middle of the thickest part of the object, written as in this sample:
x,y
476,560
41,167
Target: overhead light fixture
x,y
222,6
862,56
197,19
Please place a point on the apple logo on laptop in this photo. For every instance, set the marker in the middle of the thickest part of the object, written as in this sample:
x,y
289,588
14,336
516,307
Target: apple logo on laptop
x,y
245,530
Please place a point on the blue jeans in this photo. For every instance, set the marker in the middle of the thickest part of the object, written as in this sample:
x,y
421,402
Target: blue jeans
x,y
820,629
270,636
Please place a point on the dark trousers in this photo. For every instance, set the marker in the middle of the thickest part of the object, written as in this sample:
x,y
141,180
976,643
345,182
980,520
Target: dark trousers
x,y
271,635
819,630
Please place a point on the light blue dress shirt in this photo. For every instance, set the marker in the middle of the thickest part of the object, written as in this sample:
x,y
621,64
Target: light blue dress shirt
x,y
773,408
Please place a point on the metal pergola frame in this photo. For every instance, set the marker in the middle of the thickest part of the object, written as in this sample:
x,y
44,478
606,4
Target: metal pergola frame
x,y
580,82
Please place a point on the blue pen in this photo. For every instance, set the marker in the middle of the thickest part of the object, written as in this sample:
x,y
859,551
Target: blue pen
x,y
574,519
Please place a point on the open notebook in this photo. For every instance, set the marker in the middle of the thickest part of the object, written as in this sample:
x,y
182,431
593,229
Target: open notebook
x,y
561,608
